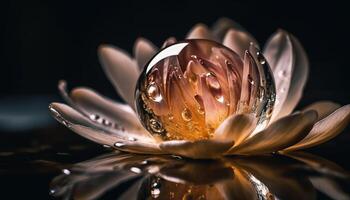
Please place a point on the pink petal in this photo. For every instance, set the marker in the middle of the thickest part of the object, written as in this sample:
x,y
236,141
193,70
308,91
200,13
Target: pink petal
x,y
325,129
290,67
279,135
144,50
121,70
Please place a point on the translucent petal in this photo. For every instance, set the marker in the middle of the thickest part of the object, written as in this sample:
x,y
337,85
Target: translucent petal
x,y
325,129
121,70
279,135
144,50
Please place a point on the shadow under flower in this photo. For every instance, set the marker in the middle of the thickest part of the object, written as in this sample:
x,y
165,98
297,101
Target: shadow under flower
x,y
296,175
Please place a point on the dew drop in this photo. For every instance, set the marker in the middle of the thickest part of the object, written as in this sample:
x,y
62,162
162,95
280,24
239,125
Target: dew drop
x,y
144,162
155,188
135,170
132,139
106,122
119,144
214,87
250,79
282,74
66,171
153,92
94,117
186,115
52,191
156,126
170,116
200,110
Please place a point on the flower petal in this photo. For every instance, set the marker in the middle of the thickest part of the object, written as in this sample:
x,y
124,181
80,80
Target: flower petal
x,y
121,70
199,149
290,67
102,110
144,50
199,31
323,108
239,41
235,128
326,129
222,25
118,139
169,42
279,135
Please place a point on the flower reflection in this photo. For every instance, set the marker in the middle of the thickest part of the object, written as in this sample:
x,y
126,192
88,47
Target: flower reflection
x,y
294,175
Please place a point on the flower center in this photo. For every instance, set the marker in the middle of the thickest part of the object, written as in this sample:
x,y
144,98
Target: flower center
x,y
189,88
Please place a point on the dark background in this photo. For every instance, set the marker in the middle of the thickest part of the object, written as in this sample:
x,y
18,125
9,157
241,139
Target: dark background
x,y
42,42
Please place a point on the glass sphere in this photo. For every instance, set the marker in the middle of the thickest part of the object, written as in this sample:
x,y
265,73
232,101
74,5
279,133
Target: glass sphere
x,y
189,88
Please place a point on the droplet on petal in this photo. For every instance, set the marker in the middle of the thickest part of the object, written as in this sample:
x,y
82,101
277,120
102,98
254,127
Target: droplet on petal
x,y
188,89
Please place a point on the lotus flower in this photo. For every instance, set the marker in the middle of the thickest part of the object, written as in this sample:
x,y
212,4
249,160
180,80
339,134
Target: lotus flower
x,y
244,125
126,176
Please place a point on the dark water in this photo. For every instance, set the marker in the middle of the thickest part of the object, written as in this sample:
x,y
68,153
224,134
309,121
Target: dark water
x,y
53,163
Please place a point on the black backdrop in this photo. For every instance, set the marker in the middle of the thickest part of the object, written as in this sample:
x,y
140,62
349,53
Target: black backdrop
x,y
42,42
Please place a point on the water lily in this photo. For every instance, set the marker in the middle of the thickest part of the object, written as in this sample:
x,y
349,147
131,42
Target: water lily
x,y
211,95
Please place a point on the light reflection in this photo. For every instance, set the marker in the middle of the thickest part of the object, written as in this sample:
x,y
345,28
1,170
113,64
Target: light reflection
x,y
292,176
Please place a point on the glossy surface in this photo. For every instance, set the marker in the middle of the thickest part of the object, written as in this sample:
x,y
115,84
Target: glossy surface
x,y
190,87
54,163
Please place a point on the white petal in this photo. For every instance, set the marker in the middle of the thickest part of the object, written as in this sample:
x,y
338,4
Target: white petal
x,y
290,67
121,70
239,41
325,129
323,108
199,149
279,135
92,104
144,50
235,128
199,31
119,139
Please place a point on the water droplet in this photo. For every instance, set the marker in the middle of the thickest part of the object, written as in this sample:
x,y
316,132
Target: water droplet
x,y
132,139
66,171
153,92
176,157
250,79
200,110
106,146
52,191
215,76
214,87
170,116
282,73
94,117
144,162
135,170
119,144
106,122
186,115
155,188
156,126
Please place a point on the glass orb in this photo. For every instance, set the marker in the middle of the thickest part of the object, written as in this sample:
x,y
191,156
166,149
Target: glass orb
x,y
189,88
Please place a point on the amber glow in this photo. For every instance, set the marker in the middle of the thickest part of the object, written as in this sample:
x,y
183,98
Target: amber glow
x,y
188,95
